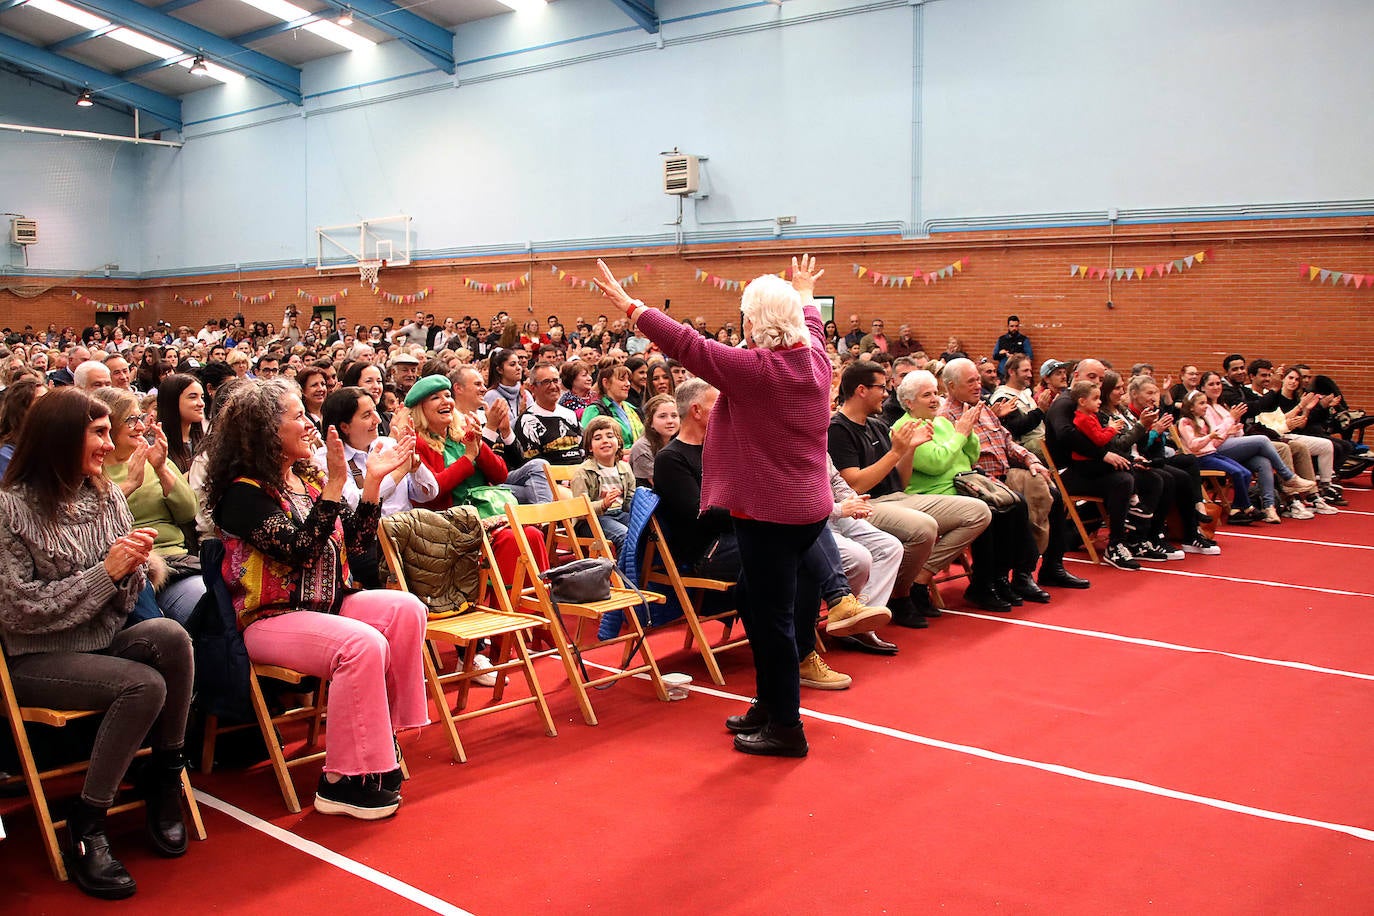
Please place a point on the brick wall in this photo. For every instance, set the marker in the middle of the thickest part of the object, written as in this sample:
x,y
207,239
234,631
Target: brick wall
x,y
1247,297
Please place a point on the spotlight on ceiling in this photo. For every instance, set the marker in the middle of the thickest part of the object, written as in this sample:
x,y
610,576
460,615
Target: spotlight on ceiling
x,y
198,65
345,18
84,100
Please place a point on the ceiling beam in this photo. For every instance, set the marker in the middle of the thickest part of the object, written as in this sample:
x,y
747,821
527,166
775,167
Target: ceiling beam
x,y
165,108
81,38
281,78
643,12
276,28
432,42
171,6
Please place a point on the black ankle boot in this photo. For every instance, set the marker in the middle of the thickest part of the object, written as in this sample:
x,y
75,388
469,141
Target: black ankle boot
x,y
751,721
90,863
160,782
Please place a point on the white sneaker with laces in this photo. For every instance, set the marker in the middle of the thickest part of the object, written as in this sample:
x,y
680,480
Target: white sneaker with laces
x,y
1322,507
1297,510
483,680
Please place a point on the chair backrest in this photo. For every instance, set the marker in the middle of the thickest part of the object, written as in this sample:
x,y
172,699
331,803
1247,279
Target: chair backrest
x,y
563,516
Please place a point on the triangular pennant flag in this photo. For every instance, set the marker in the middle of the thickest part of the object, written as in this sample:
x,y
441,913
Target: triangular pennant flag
x,y
959,265
1336,277
1359,279
862,271
918,273
1324,275
1348,279
1209,252
553,267
1312,271
1073,270
1189,260
1200,256
856,268
1083,271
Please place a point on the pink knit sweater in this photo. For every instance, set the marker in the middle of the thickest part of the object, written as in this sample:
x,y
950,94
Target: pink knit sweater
x,y
764,455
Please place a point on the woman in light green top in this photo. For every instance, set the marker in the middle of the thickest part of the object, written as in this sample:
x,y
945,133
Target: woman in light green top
x,y
952,449
158,495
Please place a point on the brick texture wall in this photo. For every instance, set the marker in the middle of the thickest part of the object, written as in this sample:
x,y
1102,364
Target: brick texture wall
x,y
1247,297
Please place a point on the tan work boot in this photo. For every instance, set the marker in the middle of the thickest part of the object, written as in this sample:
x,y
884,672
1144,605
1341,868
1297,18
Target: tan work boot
x,y
816,673
1297,486
848,616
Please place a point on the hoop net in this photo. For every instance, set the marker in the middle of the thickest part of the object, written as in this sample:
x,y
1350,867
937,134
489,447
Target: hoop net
x,y
368,270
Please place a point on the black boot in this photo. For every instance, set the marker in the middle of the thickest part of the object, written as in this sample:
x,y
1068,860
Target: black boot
x,y
90,863
1004,591
160,782
1024,585
751,721
774,741
1054,574
906,613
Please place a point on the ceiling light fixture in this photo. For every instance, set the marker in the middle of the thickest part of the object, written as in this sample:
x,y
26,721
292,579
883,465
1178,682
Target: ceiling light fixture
x,y
84,100
346,17
198,66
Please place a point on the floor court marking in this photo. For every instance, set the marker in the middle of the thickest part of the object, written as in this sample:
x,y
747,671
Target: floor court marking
x,y
1197,575
1173,647
330,857
1270,537
1119,782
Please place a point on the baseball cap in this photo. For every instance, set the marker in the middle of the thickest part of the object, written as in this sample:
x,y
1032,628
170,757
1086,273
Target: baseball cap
x,y
1051,366
403,357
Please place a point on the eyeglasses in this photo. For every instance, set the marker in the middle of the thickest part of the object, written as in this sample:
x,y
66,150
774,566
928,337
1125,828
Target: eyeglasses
x,y
543,382
135,420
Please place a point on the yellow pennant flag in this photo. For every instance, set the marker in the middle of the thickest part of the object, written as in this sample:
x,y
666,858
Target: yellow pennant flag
x,y
562,275
1083,271
862,271
959,265
1138,273
1200,256
1312,272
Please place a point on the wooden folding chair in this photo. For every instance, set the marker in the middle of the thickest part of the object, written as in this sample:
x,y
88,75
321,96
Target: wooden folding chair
x,y
502,625
1216,485
311,709
560,481
535,598
965,560
691,591
1071,504
33,777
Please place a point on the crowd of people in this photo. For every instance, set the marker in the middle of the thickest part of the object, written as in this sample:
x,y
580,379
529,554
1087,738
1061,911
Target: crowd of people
x,y
825,473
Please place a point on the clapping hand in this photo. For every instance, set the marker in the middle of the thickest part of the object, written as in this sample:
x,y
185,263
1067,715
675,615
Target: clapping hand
x,y
1116,425
1003,407
1238,411
902,437
157,452
856,507
498,416
472,431
129,552
965,424
138,464
335,464
383,460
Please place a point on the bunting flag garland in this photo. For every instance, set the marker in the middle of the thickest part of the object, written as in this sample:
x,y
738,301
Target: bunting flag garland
x,y
905,280
256,300
109,306
1335,277
724,284
592,285
480,287
396,299
322,300
1175,266
194,303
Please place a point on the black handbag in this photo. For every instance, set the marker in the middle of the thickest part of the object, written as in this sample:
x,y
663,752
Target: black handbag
x,y
580,581
998,496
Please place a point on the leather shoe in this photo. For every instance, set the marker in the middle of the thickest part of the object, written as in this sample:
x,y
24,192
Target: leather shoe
x,y
160,784
90,863
1059,577
985,597
1003,590
774,741
867,642
906,614
751,721
1024,586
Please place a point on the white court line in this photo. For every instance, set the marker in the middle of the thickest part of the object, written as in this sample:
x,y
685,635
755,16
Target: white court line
x,y
1270,537
330,857
1345,511
1173,647
1119,782
1196,575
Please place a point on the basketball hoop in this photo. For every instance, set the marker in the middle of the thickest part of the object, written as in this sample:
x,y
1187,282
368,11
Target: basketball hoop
x,y
368,270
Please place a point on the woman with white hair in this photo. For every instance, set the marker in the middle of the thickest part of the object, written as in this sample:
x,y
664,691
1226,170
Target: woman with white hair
x,y
764,461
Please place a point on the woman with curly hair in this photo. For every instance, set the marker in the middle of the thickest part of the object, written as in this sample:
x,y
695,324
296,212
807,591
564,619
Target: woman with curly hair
x,y
287,537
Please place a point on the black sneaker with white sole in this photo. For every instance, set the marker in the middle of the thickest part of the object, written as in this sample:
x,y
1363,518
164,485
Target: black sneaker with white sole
x,y
1203,545
1147,550
362,797
1117,555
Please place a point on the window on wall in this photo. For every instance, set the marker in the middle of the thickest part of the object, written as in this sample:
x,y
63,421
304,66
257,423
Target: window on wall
x,y
826,305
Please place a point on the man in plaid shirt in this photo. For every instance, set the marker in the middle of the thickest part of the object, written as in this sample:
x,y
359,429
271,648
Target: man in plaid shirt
x,y
1003,458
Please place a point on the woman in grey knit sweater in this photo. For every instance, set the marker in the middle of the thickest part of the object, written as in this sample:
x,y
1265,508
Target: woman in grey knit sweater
x,y
70,571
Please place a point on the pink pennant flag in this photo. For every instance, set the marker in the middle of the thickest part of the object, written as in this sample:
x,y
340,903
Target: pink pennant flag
x,y
1359,279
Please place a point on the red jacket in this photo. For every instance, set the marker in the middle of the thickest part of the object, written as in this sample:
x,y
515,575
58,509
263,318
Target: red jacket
x,y
450,477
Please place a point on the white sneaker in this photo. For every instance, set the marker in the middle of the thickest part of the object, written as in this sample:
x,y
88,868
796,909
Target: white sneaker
x,y
1322,507
483,680
1296,509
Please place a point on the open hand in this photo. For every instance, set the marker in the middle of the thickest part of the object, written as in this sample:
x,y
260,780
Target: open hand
x,y
804,274
335,464
382,461
157,452
965,424
613,290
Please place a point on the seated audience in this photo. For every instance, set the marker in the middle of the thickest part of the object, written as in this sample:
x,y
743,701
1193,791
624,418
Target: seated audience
x,y
1025,420
548,430
71,568
19,398
605,479
528,479
613,392
181,413
578,390
288,535
661,424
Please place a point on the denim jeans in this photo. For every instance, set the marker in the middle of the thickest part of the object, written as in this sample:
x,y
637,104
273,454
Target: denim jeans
x,y
1240,476
530,483
142,681
1257,453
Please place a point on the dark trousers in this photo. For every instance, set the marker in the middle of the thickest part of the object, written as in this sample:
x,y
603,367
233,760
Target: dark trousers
x,y
1096,478
1006,545
1054,545
142,682
774,586
1186,486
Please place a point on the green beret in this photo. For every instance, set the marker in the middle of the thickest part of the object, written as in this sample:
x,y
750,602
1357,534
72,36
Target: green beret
x,y
425,387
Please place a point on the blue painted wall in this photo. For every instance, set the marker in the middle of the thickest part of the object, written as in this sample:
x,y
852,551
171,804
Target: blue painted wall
x,y
854,117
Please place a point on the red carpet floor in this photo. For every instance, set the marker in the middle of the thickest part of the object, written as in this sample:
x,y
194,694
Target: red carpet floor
x,y
1191,737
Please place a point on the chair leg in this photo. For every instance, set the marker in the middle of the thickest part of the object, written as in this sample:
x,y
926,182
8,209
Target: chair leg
x,y
436,693
313,733
532,680
274,749
207,744
695,634
192,807
1082,532
560,640
47,829
648,654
